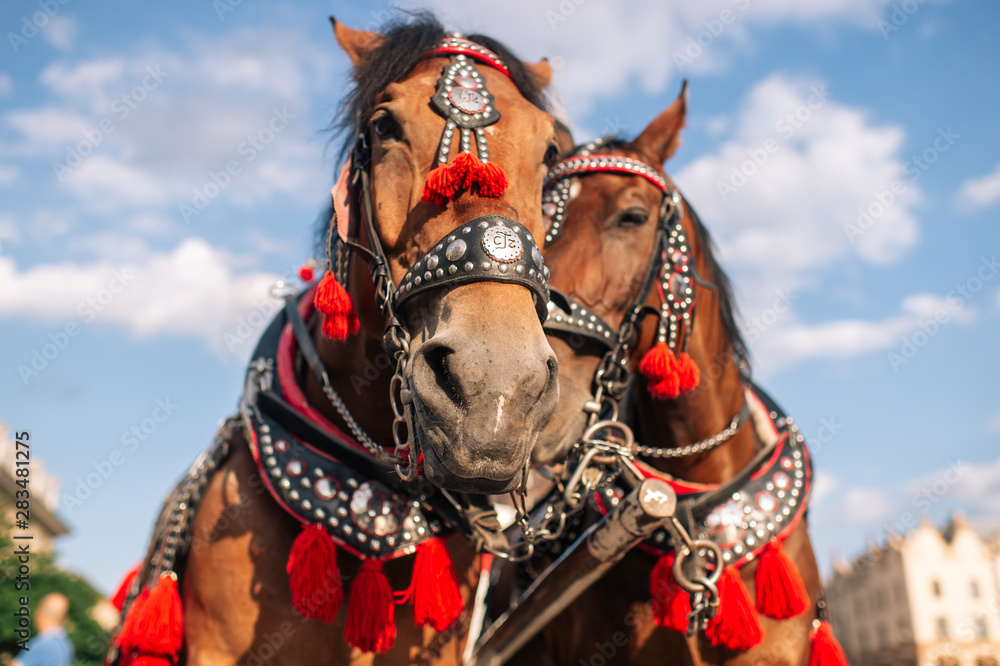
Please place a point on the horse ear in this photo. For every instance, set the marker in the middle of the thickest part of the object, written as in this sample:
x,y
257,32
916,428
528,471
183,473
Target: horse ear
x,y
542,71
662,136
357,43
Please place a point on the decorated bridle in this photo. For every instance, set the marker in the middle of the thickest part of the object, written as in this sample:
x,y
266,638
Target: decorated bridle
x,y
490,248
669,368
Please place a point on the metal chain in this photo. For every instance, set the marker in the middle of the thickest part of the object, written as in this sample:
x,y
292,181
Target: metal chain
x,y
698,447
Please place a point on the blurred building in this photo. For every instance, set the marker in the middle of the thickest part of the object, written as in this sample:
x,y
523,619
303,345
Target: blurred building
x,y
43,524
929,598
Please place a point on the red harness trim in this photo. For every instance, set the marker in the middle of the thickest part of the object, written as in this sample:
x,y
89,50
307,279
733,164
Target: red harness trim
x,y
286,377
455,46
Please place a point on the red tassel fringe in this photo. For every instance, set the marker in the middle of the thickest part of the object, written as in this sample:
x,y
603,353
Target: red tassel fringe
x,y
154,627
669,375
671,604
445,181
121,594
333,301
433,587
688,373
313,575
492,180
824,649
736,625
440,186
371,622
781,594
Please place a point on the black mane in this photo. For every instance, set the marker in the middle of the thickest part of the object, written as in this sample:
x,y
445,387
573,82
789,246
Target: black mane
x,y
405,44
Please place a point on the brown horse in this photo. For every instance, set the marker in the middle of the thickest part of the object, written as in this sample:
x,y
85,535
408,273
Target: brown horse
x,y
480,382
607,231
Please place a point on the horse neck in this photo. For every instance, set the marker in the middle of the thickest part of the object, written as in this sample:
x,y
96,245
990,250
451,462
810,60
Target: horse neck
x,y
360,371
704,411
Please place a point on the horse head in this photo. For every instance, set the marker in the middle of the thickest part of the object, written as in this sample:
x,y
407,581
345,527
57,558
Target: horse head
x,y
452,145
618,234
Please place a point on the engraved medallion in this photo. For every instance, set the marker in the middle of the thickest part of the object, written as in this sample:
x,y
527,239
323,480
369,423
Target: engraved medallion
x,y
502,244
468,101
376,510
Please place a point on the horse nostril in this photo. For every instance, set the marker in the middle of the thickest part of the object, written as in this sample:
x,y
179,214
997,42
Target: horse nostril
x,y
438,361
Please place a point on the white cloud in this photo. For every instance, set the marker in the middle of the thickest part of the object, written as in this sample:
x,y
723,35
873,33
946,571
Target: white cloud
x,y
6,84
191,290
863,506
48,125
87,81
790,176
793,342
981,192
596,40
61,31
8,174
108,184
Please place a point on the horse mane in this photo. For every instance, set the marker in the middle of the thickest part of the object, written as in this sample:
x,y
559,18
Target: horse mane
x,y
728,312
406,40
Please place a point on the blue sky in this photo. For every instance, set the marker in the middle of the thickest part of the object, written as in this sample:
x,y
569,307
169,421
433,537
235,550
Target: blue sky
x,y
113,116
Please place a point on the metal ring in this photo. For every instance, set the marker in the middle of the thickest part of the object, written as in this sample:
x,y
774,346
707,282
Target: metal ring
x,y
684,552
626,432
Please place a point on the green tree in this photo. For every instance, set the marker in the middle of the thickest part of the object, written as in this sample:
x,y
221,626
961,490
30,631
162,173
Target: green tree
x,y
89,639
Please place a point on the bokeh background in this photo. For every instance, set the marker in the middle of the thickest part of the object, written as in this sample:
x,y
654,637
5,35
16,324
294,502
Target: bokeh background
x,y
844,153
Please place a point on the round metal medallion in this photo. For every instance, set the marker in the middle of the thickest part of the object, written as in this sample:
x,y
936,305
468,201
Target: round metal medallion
x,y
766,501
326,488
467,100
502,244
455,250
376,510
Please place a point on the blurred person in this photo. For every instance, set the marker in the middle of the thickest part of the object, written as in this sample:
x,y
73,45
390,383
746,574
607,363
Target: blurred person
x,y
51,646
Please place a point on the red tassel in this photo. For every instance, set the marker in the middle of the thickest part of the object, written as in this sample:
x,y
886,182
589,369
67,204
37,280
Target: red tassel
x,y
824,649
124,587
433,587
781,594
687,372
313,575
492,180
736,625
158,624
671,604
306,273
151,660
465,170
440,186
660,367
333,301
371,622
128,637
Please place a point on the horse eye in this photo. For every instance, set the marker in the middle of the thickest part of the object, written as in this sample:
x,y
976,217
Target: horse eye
x,y
551,155
633,217
385,127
